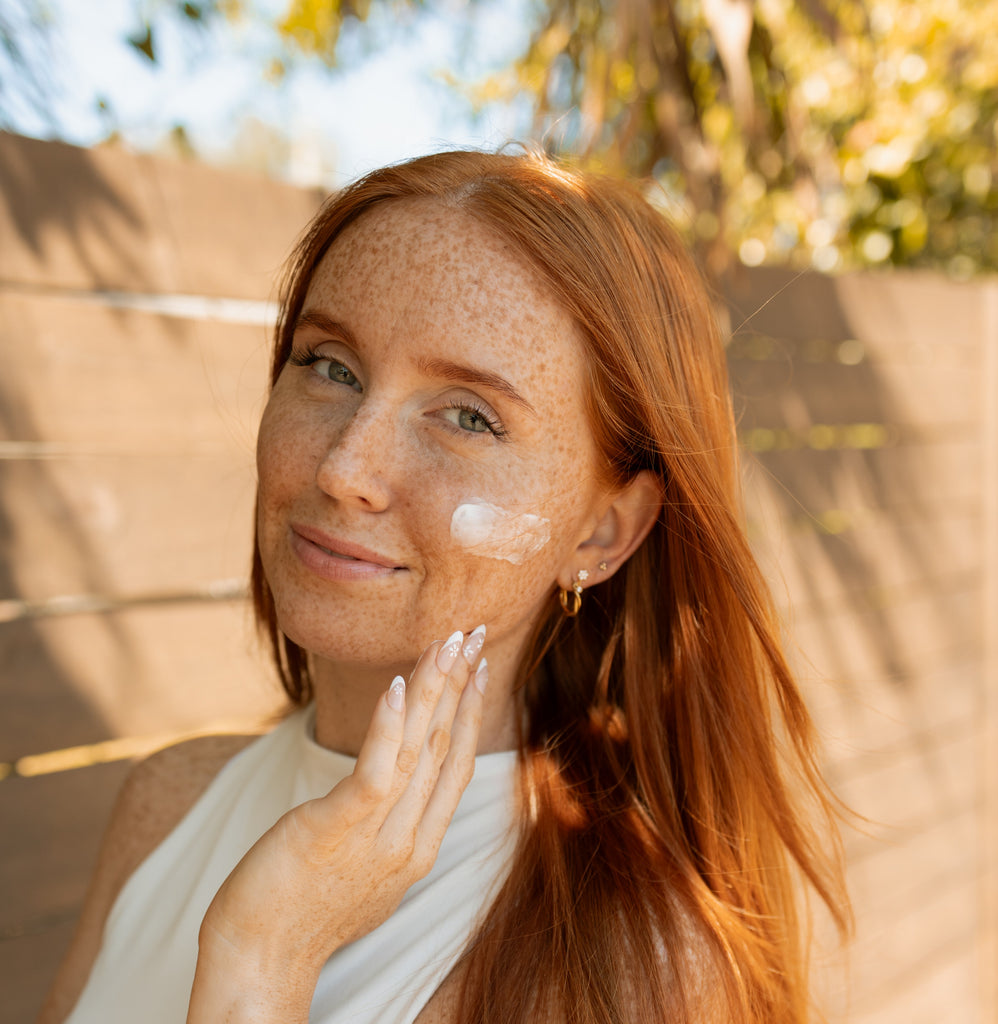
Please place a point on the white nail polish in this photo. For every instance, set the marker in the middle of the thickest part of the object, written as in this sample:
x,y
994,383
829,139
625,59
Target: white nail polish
x,y
450,650
482,676
474,644
396,694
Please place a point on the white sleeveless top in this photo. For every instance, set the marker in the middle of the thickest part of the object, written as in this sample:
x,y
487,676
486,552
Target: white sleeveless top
x,y
145,966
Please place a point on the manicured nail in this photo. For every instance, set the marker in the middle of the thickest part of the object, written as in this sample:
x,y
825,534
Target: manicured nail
x,y
473,644
396,694
482,676
447,654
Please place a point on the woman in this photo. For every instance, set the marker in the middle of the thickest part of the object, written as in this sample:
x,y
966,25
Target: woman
x,y
499,410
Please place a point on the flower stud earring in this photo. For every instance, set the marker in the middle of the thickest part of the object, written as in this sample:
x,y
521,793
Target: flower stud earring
x,y
571,600
602,567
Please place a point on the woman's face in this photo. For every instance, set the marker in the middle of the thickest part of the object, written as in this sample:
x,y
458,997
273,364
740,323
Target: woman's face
x,y
425,461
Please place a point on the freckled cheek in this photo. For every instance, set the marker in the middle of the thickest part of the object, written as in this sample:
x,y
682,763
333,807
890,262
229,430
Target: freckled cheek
x,y
291,444
496,592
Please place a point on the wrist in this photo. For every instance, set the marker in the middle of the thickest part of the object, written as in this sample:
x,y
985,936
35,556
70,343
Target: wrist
x,y
249,986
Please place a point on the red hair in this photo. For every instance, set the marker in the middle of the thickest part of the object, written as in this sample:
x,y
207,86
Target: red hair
x,y
675,803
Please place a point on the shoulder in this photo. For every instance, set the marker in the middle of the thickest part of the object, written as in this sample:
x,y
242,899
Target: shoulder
x,y
159,791
156,795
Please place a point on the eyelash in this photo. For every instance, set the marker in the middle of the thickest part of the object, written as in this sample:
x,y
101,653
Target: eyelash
x,y
308,357
496,428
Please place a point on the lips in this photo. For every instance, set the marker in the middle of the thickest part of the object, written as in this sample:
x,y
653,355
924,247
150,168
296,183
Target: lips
x,y
333,558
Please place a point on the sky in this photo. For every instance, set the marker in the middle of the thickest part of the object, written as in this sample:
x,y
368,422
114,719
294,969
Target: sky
x,y
388,102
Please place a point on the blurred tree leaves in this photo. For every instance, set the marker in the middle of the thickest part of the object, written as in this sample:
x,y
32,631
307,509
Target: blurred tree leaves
x,y
143,39
834,133
313,26
25,53
830,133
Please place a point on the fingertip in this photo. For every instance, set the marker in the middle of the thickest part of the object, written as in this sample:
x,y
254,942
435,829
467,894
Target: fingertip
x,y
396,694
482,676
448,653
473,645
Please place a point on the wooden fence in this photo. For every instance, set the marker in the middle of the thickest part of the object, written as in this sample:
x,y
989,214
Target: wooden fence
x,y
133,334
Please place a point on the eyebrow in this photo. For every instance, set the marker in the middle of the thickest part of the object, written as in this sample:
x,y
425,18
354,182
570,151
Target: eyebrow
x,y
313,318
459,373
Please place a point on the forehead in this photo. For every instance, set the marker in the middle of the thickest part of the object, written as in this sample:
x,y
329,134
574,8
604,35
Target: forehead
x,y
431,271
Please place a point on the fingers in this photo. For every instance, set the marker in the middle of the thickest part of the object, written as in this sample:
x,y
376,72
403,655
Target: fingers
x,y
422,738
458,767
437,684
373,781
445,767
378,756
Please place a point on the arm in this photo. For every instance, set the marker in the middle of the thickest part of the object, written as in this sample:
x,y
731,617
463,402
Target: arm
x,y
156,795
334,868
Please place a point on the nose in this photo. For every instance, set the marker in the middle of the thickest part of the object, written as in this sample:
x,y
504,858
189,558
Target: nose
x,y
355,467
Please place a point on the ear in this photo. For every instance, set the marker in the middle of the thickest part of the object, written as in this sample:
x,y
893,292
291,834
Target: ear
x,y
628,516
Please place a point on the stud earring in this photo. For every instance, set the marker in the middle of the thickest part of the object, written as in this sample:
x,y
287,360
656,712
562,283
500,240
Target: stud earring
x,y
602,567
571,600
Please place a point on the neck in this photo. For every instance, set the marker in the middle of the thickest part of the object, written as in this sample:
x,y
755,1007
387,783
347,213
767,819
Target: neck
x,y
346,694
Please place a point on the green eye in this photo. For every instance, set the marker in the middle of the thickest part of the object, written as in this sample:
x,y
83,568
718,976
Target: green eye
x,y
468,419
336,372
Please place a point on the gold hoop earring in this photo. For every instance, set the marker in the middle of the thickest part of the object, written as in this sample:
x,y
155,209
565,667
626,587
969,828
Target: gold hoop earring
x,y
571,600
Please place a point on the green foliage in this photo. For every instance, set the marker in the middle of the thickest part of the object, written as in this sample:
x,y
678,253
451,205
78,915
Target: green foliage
x,y
835,135
312,27
832,133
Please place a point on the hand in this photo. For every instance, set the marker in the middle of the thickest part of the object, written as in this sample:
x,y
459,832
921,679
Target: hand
x,y
335,868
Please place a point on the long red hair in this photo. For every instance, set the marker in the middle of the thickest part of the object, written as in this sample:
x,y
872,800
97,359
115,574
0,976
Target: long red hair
x,y
674,805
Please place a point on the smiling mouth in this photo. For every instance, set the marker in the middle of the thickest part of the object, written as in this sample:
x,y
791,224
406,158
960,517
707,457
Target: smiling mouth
x,y
362,558
336,554
350,558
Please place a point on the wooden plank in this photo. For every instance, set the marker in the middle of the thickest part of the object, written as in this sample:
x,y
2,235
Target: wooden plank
x,y
835,493
878,718
779,303
888,311
29,965
841,643
801,395
125,526
231,230
942,989
48,845
894,873
988,757
937,471
107,219
893,950
85,375
78,218
144,671
933,779
130,444
874,562
53,826
922,308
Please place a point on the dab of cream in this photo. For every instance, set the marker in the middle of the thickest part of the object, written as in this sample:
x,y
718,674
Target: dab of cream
x,y
492,532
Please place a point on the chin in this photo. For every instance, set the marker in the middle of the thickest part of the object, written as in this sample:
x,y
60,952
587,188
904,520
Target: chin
x,y
344,638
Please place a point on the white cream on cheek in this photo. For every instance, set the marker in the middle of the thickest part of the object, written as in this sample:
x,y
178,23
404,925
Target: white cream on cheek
x,y
492,532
